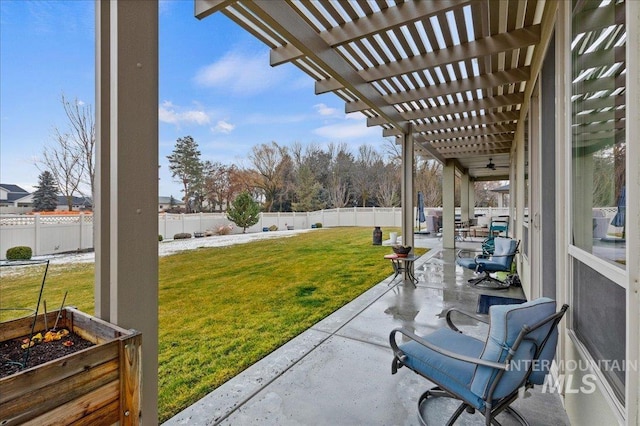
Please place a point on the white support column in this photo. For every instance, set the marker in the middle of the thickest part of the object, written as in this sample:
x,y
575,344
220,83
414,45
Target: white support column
x,y
472,198
407,189
464,198
448,204
127,193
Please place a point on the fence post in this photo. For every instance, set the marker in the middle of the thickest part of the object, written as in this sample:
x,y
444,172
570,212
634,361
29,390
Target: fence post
x,y
81,220
36,234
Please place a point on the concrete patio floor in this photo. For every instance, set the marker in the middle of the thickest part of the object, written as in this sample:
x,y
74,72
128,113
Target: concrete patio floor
x,y
339,371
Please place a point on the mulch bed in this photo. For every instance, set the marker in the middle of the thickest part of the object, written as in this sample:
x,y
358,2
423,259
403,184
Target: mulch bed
x,y
11,353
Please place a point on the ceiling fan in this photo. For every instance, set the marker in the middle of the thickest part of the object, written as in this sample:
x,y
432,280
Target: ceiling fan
x,y
492,166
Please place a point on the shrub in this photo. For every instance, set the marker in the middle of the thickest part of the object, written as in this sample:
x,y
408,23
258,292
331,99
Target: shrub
x,y
19,253
160,237
318,225
182,236
273,228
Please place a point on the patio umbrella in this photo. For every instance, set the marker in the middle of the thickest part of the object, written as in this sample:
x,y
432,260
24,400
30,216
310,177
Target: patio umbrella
x,y
421,218
619,219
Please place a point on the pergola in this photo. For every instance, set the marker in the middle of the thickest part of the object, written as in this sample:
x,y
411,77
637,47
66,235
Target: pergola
x,y
449,79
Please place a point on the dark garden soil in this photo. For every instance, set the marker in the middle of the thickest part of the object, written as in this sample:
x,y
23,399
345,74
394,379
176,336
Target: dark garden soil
x,y
12,355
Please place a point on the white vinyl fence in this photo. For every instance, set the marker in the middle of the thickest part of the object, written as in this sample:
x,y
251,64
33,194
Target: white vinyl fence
x,y
46,234
50,234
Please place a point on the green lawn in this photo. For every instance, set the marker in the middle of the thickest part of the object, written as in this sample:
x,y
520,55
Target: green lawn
x,y
222,309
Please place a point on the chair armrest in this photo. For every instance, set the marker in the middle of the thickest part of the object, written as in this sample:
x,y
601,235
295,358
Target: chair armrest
x,y
400,355
460,252
481,256
500,255
506,254
476,317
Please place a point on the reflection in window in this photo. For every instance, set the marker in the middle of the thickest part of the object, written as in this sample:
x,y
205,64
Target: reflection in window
x,y
598,129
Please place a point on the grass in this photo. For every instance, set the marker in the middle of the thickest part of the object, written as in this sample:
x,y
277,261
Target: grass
x,y
222,309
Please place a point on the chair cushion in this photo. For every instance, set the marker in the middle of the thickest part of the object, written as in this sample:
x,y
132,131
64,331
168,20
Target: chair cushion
x,y
503,247
466,262
506,322
451,375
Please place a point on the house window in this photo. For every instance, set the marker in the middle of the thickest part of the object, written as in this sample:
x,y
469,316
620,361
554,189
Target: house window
x,y
598,130
598,163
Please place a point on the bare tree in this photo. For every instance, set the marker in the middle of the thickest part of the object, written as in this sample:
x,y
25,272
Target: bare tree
x,y
429,181
82,134
366,175
387,190
71,156
338,185
267,160
64,161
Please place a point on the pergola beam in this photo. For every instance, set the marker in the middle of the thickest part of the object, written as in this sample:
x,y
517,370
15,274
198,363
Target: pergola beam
x,y
467,106
476,140
204,8
387,19
516,39
484,81
476,152
497,117
457,108
464,133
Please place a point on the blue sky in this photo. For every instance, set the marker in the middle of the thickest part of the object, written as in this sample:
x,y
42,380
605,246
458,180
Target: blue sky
x,y
215,85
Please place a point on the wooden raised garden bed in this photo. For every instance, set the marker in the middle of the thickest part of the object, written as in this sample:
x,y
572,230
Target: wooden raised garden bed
x,y
96,385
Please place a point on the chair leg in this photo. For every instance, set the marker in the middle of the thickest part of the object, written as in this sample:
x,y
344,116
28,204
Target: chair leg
x,y
475,281
437,392
515,413
487,281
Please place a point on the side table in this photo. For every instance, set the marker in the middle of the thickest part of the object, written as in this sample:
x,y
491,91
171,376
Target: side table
x,y
402,264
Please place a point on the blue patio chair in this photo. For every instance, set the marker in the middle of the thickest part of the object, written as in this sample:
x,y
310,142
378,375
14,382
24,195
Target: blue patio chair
x,y
496,228
504,251
484,376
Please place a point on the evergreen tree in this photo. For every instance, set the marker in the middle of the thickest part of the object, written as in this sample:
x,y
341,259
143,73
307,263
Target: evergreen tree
x,y
186,168
46,196
244,211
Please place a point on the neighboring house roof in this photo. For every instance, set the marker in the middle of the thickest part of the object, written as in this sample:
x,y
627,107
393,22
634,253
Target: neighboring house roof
x,y
502,189
14,196
167,200
77,201
24,198
13,188
11,193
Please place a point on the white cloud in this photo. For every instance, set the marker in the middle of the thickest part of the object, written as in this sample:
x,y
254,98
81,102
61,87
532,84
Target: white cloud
x,y
324,110
169,113
224,127
241,73
352,127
